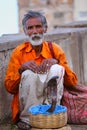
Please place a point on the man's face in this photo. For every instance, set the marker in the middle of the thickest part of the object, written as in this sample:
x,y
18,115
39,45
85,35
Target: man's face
x,y
35,30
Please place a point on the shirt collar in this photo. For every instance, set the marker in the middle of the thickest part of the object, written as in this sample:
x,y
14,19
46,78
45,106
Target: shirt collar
x,y
27,46
45,50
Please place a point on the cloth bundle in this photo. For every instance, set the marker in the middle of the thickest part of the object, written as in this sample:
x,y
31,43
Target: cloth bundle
x,y
75,99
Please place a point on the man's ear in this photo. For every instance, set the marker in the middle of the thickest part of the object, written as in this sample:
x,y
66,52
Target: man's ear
x,y
25,31
45,29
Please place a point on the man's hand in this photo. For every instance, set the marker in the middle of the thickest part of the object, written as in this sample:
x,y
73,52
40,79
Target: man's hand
x,y
31,65
42,68
47,63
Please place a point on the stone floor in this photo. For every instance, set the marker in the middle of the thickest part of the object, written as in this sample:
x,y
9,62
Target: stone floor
x,y
8,126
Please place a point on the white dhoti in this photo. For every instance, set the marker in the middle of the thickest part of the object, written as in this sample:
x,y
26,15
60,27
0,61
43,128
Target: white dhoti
x,y
31,88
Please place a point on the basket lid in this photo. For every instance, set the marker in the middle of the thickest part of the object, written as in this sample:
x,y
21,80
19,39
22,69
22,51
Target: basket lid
x,y
42,109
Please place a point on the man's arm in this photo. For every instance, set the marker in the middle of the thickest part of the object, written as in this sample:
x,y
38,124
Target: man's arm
x,y
70,78
12,77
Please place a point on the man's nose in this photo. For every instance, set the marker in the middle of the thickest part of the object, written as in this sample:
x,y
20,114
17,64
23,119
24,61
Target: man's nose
x,y
34,30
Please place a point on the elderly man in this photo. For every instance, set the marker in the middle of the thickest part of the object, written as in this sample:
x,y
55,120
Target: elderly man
x,y
32,68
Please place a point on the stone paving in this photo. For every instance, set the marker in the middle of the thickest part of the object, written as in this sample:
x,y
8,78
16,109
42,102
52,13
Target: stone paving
x,y
9,126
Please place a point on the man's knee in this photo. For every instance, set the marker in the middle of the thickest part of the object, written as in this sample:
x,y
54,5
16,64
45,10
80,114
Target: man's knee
x,y
55,70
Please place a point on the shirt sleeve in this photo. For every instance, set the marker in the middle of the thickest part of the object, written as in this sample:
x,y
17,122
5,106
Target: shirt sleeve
x,y
12,77
70,78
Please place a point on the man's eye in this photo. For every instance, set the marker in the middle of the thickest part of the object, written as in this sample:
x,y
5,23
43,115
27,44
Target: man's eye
x,y
38,26
30,27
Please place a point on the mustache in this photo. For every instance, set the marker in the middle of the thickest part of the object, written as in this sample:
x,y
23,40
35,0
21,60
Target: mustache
x,y
36,36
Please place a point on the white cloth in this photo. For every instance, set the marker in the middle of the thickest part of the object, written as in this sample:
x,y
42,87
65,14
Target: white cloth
x,y
31,88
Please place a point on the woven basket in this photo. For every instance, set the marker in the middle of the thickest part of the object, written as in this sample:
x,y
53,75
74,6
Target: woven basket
x,y
48,121
66,127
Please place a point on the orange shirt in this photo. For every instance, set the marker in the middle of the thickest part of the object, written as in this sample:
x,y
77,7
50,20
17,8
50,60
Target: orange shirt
x,y
24,53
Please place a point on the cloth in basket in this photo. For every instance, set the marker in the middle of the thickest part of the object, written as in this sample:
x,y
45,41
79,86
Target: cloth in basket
x,y
42,109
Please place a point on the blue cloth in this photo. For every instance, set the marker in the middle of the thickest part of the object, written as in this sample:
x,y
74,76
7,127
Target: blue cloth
x,y
42,109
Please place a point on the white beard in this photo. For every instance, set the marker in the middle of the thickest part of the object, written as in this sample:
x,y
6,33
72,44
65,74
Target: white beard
x,y
36,39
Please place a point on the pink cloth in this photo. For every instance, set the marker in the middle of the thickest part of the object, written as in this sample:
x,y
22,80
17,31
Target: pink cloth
x,y
76,102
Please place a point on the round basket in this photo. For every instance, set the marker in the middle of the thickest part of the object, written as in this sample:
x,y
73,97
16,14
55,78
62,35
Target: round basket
x,y
66,127
48,120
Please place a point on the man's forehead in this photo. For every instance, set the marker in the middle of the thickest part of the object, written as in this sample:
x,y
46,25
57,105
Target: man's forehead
x,y
34,21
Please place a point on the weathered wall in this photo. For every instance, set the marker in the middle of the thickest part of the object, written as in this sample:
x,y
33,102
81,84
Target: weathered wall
x,y
60,10
72,40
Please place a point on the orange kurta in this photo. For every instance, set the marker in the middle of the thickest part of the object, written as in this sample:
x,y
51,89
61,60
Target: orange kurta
x,y
24,53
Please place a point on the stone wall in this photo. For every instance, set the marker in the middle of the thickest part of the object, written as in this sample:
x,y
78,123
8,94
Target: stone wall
x,y
72,40
7,44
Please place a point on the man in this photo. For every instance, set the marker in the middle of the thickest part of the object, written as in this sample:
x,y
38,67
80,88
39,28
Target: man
x,y
32,68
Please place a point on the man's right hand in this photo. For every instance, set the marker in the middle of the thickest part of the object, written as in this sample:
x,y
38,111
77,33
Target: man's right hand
x,y
31,65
